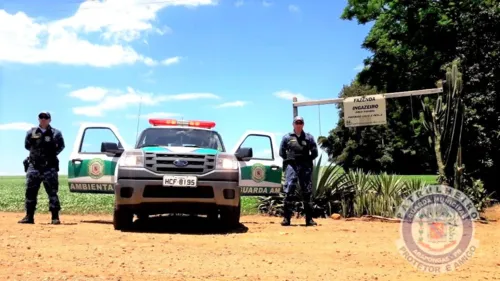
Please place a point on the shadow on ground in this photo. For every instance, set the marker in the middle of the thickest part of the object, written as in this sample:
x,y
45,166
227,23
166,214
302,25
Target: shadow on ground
x,y
177,225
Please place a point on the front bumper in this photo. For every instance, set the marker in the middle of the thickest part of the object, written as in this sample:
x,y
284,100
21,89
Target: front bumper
x,y
142,190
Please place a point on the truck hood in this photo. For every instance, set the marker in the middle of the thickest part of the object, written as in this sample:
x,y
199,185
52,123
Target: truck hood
x,y
180,149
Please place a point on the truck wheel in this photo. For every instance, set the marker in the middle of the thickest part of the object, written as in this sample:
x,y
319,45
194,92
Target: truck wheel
x,y
213,216
142,217
230,216
122,219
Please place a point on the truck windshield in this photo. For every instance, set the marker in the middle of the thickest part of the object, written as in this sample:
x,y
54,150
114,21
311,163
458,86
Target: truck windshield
x,y
180,137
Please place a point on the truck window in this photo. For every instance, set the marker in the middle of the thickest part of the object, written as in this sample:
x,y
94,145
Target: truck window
x,y
261,145
93,137
180,137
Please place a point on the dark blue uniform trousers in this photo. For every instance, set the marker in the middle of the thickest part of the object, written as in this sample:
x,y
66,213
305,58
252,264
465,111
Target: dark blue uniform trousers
x,y
302,175
50,180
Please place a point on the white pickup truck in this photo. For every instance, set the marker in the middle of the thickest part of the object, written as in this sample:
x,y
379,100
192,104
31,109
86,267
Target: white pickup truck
x,y
175,166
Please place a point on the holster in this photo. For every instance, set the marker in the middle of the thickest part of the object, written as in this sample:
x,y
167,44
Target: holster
x,y
26,164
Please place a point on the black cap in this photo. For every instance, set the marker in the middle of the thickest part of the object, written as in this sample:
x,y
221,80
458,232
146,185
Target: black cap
x,y
298,118
44,114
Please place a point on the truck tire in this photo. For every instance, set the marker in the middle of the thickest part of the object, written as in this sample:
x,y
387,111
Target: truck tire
x,y
142,217
122,219
230,216
213,216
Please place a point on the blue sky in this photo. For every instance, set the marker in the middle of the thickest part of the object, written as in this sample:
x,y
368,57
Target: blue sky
x,y
237,63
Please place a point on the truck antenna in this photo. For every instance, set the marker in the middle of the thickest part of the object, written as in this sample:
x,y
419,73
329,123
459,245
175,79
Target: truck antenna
x,y
138,119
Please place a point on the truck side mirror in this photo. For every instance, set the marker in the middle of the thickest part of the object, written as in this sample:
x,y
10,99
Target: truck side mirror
x,y
244,153
111,148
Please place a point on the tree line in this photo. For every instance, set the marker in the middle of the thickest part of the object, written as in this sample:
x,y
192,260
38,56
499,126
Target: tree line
x,y
422,44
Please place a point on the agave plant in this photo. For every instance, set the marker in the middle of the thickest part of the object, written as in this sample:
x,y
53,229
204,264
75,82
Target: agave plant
x,y
389,189
364,192
412,185
331,192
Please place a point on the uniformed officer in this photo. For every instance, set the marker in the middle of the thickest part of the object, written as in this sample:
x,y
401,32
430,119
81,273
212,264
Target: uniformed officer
x,y
44,144
298,150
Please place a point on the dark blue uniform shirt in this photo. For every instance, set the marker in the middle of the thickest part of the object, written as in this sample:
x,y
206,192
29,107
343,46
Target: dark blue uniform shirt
x,y
305,141
44,145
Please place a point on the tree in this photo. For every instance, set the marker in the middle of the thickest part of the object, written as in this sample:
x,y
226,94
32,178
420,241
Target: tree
x,y
412,40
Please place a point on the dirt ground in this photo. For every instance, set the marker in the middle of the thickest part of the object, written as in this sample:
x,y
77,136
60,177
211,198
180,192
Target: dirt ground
x,y
87,248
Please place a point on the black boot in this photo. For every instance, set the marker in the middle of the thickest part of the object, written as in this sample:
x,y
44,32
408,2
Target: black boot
x,y
28,219
310,222
285,222
287,214
309,214
55,218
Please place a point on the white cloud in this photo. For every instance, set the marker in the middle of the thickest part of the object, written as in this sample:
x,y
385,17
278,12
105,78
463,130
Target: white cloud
x,y
239,3
89,94
293,8
359,67
117,22
170,61
187,96
154,115
148,77
17,126
232,104
112,99
64,85
287,95
266,3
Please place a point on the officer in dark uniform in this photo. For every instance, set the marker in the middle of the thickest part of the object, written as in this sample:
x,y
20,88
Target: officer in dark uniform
x,y
44,144
298,150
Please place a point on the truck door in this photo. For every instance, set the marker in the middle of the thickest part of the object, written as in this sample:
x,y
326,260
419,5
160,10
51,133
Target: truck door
x,y
90,169
262,174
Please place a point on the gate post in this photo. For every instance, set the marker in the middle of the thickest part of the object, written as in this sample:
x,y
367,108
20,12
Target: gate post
x,y
295,108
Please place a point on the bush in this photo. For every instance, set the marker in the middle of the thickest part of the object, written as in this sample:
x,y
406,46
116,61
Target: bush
x,y
349,194
357,193
381,194
332,193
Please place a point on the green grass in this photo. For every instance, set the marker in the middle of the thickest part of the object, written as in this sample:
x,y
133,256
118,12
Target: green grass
x,y
12,190
12,197
429,179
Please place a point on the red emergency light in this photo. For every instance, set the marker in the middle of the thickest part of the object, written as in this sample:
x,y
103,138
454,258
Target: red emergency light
x,y
174,122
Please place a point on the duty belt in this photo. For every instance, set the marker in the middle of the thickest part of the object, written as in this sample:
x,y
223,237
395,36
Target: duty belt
x,y
39,162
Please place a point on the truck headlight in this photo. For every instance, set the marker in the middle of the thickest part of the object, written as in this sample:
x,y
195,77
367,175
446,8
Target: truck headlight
x,y
132,159
226,162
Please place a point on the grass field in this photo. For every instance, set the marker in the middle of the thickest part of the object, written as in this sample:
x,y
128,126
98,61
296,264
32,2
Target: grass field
x,y
12,198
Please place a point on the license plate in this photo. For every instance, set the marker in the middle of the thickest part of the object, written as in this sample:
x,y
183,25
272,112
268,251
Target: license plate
x,y
183,181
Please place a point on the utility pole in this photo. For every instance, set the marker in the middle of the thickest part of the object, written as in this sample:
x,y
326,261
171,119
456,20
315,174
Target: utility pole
x,y
296,104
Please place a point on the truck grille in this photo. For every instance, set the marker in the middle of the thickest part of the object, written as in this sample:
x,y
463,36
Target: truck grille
x,y
163,163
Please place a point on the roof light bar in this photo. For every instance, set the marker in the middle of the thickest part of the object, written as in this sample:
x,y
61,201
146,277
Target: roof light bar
x,y
174,122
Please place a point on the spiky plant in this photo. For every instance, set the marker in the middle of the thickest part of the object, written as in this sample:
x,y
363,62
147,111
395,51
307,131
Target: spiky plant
x,y
331,192
444,121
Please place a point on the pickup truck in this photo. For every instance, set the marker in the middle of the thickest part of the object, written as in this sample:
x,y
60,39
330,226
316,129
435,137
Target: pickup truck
x,y
174,167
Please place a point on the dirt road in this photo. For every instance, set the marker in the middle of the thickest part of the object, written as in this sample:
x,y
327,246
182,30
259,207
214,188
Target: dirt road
x,y
87,248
